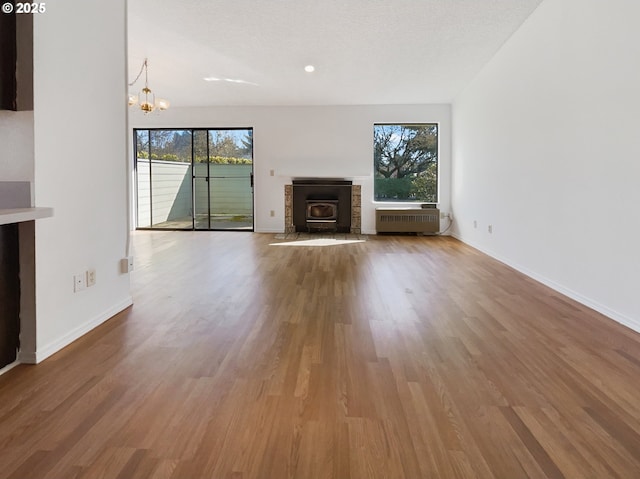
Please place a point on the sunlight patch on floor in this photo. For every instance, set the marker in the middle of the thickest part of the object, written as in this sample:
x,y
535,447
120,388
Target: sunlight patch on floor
x,y
318,242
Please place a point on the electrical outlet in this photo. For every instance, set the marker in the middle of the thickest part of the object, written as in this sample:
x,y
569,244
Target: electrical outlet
x,y
91,277
126,264
490,229
475,224
79,282
271,172
272,213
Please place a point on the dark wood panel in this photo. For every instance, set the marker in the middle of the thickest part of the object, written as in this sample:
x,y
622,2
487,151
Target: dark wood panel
x,y
400,357
8,57
9,294
16,61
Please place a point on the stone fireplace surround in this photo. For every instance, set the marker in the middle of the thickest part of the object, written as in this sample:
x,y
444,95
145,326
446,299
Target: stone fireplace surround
x,y
356,207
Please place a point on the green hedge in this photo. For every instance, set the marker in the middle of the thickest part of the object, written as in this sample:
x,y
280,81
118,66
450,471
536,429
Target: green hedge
x,y
218,160
406,189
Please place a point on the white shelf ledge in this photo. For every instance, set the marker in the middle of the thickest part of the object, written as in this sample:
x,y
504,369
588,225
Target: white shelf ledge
x,y
18,215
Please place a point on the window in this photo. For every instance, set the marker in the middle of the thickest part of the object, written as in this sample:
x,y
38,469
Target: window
x,y
405,162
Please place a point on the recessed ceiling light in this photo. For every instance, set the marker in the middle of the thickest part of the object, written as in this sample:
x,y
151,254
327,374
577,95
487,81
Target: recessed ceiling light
x,y
309,68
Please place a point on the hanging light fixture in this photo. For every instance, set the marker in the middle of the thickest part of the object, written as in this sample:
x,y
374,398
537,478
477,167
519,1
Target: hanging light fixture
x,y
146,99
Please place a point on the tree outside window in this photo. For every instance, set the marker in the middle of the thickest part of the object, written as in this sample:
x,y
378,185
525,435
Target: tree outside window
x,y
224,146
405,159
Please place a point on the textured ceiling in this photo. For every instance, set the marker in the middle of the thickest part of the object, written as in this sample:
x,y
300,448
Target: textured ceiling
x,y
364,51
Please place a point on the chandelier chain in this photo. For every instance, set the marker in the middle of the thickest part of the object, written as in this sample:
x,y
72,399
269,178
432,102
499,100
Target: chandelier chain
x,y
142,68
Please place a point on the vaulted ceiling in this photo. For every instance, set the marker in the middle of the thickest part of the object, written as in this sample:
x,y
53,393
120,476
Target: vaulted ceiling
x,y
364,51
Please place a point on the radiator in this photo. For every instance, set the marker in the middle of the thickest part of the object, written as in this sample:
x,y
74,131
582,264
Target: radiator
x,y
407,220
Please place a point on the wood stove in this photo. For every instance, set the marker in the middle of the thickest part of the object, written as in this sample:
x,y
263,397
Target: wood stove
x,y
322,214
321,204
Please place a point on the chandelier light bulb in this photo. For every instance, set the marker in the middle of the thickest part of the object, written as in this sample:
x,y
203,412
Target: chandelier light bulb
x,y
162,104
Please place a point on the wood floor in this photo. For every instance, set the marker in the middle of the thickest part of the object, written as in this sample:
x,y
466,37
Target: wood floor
x,y
399,357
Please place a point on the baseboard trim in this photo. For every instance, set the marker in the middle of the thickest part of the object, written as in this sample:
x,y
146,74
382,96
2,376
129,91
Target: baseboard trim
x,y
588,302
9,367
31,357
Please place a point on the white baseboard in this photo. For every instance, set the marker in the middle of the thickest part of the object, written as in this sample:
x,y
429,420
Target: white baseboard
x,y
35,357
588,302
9,367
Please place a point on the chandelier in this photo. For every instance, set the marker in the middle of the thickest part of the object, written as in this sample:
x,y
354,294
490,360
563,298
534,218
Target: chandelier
x,y
146,99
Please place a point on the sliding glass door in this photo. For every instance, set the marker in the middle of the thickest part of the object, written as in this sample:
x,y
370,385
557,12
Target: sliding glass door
x,y
194,179
163,172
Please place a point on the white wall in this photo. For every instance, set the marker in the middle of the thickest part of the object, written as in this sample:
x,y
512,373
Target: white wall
x,y
16,146
80,144
313,141
546,150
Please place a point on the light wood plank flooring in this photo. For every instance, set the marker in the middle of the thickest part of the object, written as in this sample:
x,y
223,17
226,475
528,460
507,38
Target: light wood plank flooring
x,y
399,357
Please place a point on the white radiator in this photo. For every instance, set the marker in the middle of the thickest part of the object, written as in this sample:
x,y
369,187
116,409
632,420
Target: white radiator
x,y
407,220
